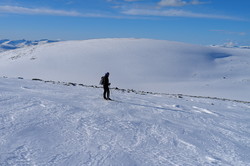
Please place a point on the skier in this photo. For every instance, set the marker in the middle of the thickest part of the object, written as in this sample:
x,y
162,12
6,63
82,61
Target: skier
x,y
106,84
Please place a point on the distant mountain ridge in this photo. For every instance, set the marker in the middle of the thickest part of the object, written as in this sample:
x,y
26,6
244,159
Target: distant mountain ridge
x,y
231,45
6,44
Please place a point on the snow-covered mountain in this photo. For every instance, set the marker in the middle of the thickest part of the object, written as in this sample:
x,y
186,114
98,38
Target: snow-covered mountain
x,y
231,45
141,64
51,123
6,44
47,124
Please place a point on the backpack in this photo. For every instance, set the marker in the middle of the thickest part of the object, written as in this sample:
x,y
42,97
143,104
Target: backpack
x,y
102,80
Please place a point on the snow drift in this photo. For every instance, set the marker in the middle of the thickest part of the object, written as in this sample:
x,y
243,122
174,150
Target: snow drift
x,y
142,64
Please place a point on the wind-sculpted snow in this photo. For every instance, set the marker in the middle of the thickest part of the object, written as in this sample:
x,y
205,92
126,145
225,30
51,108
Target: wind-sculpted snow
x,y
141,64
57,125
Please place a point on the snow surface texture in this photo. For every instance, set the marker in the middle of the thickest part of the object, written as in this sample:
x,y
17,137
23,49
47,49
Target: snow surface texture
x,y
141,64
45,124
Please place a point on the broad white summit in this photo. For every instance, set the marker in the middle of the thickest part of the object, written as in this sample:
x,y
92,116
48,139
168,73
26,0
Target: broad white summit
x,y
141,64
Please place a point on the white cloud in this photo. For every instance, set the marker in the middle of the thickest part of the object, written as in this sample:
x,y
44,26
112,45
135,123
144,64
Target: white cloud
x,y
174,13
230,32
54,12
172,3
23,10
178,3
124,14
197,2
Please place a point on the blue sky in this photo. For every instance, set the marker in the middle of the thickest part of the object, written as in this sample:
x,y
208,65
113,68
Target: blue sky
x,y
193,21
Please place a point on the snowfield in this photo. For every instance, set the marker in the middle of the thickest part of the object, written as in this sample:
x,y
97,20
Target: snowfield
x,y
201,115
141,64
57,125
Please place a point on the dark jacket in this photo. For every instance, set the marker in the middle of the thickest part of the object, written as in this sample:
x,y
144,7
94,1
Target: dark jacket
x,y
106,81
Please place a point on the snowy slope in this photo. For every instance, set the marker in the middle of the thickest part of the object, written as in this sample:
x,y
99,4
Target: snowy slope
x,y
141,64
56,125
6,44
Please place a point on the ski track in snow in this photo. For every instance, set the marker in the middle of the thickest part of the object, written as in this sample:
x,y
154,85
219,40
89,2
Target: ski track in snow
x,y
46,124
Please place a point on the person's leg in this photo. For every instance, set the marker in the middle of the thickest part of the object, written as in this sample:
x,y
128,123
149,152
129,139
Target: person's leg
x,y
108,93
104,92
